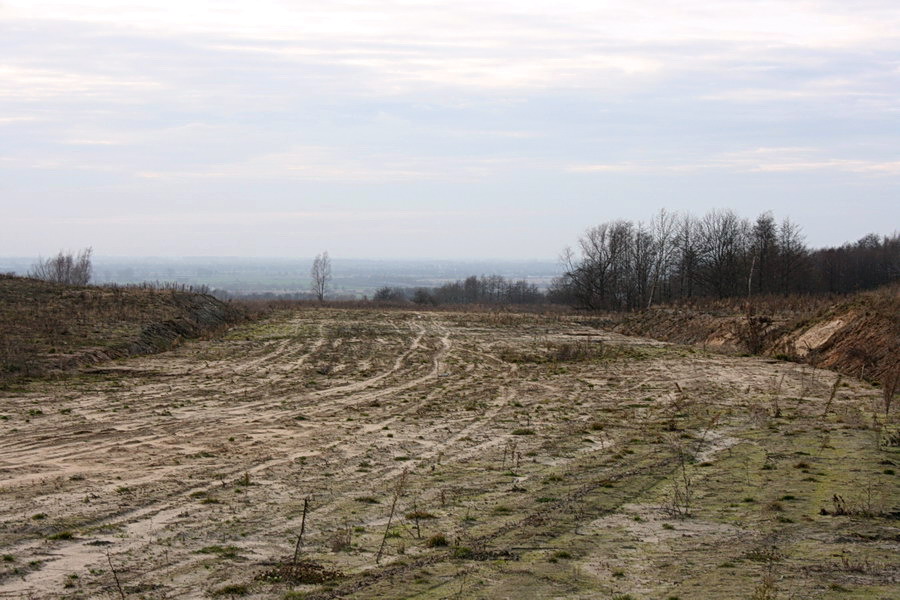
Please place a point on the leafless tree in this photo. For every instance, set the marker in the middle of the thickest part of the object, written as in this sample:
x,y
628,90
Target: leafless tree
x,y
65,267
792,254
723,238
640,266
321,274
664,230
765,249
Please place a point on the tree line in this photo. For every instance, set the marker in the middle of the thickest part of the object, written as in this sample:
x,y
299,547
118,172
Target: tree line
x,y
486,289
626,265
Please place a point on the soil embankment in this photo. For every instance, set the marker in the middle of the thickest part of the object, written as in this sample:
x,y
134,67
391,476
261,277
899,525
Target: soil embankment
x,y
48,327
858,336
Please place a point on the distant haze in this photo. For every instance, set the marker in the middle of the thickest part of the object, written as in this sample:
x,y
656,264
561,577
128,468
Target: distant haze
x,y
351,277
455,130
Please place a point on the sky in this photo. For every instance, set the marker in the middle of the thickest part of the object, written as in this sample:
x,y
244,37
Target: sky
x,y
410,129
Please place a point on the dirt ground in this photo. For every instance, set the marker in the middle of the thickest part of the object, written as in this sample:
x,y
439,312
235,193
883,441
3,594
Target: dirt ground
x,y
482,455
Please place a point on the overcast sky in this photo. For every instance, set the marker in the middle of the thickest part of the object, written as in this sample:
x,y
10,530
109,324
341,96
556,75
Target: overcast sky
x,y
491,128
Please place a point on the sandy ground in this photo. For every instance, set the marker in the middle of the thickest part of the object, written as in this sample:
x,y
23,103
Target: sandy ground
x,y
557,461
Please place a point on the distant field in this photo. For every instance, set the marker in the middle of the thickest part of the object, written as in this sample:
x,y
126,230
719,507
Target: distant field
x,y
353,277
487,455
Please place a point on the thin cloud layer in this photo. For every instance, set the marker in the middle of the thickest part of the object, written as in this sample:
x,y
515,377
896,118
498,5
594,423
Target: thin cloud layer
x,y
582,110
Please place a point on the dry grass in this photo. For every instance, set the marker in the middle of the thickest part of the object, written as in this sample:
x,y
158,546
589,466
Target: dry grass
x,y
53,327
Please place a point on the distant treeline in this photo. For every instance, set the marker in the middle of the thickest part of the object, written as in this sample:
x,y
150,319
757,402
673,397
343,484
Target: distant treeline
x,y
622,265
487,289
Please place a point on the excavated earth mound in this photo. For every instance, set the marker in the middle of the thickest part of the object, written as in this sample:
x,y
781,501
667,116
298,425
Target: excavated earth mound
x,y
48,327
859,336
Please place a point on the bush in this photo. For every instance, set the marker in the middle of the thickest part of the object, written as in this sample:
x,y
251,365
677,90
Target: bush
x,y
65,268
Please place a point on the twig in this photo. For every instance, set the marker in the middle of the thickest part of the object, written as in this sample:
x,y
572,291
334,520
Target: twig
x,y
115,575
302,529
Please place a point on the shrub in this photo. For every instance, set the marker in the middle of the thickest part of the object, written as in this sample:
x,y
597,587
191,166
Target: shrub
x,y
64,268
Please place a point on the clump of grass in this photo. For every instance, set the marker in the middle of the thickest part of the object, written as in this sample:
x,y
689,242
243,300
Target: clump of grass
x,y
235,589
302,572
419,514
463,552
367,500
523,431
438,540
222,551
61,535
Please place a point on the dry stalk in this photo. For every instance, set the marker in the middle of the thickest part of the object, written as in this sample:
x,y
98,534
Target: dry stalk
x,y
889,390
302,529
397,492
831,396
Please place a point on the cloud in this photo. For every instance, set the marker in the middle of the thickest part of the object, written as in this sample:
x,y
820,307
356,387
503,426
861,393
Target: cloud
x,y
426,105
269,218
756,160
20,83
321,163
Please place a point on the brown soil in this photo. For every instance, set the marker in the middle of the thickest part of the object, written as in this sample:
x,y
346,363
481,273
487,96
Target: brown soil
x,y
858,336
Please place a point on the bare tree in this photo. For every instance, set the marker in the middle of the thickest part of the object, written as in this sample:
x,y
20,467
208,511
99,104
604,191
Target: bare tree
x,y
765,250
664,229
791,255
321,274
65,268
723,238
